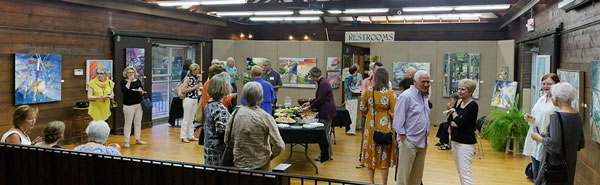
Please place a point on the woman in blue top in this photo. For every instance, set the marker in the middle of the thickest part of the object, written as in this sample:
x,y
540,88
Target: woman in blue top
x,y
353,82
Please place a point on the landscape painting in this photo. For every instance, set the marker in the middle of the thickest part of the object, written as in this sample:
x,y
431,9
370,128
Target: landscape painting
x,y
294,71
37,78
574,78
458,66
334,64
334,79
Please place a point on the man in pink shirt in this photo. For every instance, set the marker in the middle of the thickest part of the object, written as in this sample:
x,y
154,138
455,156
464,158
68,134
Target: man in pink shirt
x,y
369,81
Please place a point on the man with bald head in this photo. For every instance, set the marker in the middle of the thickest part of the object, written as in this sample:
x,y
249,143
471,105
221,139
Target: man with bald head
x,y
409,72
268,92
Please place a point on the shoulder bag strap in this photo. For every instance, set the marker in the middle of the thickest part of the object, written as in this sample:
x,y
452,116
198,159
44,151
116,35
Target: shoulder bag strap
x,y
232,121
562,139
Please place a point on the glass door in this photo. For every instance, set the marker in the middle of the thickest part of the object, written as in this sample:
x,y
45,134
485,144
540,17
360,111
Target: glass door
x,y
167,64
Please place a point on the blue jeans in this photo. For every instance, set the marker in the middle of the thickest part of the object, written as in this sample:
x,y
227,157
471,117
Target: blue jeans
x,y
535,167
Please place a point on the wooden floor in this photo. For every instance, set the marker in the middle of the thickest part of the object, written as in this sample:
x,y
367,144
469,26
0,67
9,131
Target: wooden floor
x,y
494,168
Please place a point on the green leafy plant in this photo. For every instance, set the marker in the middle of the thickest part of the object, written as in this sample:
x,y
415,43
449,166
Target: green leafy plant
x,y
503,124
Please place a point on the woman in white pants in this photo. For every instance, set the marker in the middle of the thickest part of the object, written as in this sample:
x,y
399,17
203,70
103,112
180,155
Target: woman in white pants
x,y
462,120
132,109
192,92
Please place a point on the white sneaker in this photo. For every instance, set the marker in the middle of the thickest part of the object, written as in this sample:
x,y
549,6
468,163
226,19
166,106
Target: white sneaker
x,y
140,142
185,140
126,145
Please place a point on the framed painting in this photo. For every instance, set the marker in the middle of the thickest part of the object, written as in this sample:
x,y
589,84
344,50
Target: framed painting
x,y
334,78
334,64
595,104
37,78
458,66
135,57
251,62
399,68
574,78
91,65
504,94
539,68
294,71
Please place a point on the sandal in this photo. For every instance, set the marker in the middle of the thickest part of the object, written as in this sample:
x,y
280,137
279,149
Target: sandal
x,y
359,166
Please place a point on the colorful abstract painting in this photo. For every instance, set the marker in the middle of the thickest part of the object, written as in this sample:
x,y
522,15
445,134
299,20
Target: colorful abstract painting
x,y
251,62
334,79
334,64
135,57
595,106
399,68
504,94
294,71
574,78
539,68
91,65
458,66
37,78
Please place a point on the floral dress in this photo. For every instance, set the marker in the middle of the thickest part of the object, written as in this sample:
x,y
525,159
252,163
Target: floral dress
x,y
378,109
215,122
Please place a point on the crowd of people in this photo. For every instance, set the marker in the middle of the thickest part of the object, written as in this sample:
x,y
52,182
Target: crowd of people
x,y
395,124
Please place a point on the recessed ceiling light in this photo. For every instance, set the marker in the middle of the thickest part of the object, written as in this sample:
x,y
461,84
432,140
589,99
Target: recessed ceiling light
x,y
222,14
367,10
301,18
266,18
483,7
310,12
273,12
334,11
428,9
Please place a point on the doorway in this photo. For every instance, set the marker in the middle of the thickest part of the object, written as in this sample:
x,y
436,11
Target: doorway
x,y
167,65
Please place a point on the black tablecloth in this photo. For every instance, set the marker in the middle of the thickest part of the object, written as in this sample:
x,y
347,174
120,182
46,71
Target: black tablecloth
x,y
176,110
304,135
342,118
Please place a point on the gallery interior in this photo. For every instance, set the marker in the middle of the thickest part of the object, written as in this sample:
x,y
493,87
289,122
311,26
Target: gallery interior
x,y
53,54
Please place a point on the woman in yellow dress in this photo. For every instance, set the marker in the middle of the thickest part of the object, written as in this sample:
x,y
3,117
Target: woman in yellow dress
x,y
377,105
100,94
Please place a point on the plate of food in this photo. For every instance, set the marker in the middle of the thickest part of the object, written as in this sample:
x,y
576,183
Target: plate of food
x,y
280,125
285,120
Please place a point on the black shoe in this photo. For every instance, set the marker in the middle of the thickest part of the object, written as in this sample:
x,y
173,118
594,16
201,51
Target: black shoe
x,y
444,147
438,144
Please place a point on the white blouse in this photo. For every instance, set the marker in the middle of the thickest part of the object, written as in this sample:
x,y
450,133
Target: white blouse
x,y
541,112
24,139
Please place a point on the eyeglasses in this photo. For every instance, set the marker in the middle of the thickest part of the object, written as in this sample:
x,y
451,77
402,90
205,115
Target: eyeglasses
x,y
131,72
100,73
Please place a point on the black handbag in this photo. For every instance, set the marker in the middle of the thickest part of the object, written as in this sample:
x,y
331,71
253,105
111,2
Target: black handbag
x,y
378,136
557,172
146,103
227,157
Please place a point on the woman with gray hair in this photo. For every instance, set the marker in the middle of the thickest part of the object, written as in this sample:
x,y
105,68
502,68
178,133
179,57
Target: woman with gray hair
x,y
323,102
192,90
133,91
100,94
97,134
215,118
254,135
563,137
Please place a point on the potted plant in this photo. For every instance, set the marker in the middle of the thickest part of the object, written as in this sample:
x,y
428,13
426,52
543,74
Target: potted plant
x,y
503,124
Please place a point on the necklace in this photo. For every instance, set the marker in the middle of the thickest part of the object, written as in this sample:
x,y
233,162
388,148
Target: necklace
x,y
23,133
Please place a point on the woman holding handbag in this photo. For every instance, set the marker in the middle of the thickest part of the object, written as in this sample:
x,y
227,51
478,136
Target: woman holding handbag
x,y
562,139
379,145
215,118
132,91
192,88
462,118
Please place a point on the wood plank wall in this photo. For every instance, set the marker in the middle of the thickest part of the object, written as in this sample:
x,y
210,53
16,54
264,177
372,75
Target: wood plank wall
x,y
78,33
579,46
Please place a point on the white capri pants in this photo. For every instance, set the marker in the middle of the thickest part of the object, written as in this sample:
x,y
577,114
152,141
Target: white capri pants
x,y
133,113
463,154
189,114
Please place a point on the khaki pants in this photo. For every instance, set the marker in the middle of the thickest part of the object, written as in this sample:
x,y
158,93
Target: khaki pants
x,y
411,161
352,106
133,113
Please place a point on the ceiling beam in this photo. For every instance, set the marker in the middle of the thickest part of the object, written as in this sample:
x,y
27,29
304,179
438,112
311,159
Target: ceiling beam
x,y
515,12
354,4
150,9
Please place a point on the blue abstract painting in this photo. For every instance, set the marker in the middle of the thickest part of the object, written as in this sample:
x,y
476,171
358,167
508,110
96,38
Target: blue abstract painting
x,y
595,104
37,78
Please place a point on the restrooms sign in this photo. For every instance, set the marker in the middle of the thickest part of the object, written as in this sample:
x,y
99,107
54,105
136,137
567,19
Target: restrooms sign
x,y
370,36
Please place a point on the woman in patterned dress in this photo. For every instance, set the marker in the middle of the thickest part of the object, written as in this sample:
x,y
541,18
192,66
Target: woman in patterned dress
x,y
378,105
215,118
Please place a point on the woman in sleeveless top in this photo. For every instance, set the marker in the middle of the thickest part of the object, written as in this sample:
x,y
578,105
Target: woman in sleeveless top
x,y
193,91
23,121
